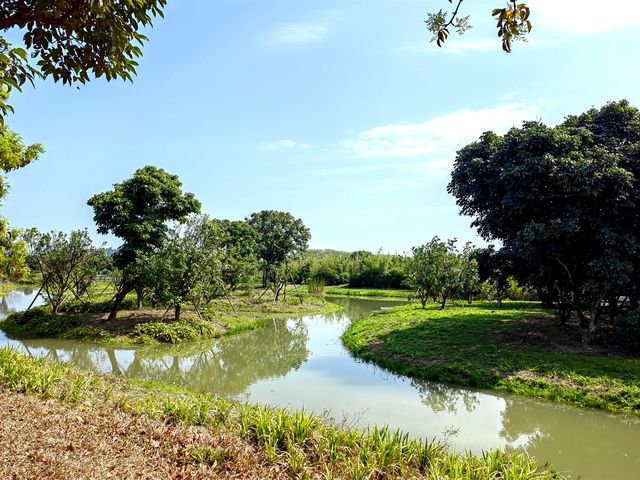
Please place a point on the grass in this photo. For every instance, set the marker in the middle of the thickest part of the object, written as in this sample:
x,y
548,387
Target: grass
x,y
519,348
306,444
367,292
87,320
6,286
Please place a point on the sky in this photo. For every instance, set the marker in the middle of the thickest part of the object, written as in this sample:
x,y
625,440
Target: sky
x,y
340,112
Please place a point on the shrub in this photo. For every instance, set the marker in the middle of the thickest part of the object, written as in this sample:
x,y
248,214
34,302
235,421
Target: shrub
x,y
41,322
189,329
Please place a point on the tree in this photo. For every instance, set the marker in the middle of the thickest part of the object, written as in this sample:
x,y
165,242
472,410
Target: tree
x,y
281,236
72,40
68,264
14,154
512,23
187,266
566,199
435,271
137,211
238,250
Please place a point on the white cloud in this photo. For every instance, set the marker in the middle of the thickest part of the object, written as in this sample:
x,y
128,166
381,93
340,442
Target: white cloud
x,y
285,144
584,16
437,138
298,33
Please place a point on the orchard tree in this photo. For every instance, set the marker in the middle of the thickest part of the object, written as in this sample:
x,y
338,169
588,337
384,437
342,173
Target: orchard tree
x,y
186,267
67,264
238,249
137,211
435,271
281,237
567,199
72,40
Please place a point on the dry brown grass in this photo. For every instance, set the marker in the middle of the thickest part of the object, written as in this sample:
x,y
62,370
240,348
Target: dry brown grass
x,y
47,440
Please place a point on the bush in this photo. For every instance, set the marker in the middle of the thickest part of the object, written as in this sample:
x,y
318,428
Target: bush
x,y
189,329
628,329
40,321
87,333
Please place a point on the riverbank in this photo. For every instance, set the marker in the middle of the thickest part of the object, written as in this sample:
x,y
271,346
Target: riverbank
x,y
88,321
519,348
188,435
7,286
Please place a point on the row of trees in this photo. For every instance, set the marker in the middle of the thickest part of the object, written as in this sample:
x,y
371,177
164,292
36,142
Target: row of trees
x,y
170,253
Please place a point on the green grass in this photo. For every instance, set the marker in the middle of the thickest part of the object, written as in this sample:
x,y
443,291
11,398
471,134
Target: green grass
x,y
306,442
86,320
516,349
367,292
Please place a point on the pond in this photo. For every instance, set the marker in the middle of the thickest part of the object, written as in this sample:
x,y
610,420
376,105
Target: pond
x,y
301,363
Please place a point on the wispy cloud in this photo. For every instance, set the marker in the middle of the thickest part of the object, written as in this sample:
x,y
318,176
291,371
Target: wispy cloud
x,y
438,137
285,144
298,33
584,17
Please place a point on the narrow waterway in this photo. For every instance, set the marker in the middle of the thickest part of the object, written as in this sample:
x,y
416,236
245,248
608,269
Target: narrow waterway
x,y
301,363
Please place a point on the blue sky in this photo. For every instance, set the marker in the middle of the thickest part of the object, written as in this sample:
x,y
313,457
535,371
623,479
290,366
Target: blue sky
x,y
340,112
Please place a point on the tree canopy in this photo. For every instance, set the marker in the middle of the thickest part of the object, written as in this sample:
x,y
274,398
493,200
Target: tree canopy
x,y
566,199
137,211
72,40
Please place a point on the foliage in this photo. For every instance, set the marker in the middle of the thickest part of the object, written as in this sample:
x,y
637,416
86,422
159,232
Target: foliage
x,y
237,249
281,238
487,348
512,23
282,434
376,270
565,201
189,329
67,264
39,322
14,154
137,211
437,270
187,267
72,40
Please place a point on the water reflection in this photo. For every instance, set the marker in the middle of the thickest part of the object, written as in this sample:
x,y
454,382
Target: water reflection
x,y
302,364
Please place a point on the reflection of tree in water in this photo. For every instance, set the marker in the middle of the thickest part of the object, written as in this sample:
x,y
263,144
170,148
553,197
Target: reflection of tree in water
x,y
225,366
586,442
440,397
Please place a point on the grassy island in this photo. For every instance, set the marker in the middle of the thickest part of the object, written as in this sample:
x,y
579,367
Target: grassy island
x,y
168,429
147,325
518,348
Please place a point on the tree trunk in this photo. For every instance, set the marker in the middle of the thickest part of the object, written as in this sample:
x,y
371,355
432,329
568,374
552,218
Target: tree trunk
x,y
117,301
139,297
264,278
613,307
443,303
589,325
499,299
177,312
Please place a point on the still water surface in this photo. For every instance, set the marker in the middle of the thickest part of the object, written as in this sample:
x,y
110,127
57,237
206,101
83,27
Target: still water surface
x,y
301,363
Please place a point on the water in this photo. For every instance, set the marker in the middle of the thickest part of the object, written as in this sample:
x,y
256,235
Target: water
x,y
301,363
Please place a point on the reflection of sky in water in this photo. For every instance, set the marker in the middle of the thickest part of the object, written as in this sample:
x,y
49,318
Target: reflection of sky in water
x,y
302,364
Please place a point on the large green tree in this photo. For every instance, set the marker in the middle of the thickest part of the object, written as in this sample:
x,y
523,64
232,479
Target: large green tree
x,y
281,236
567,199
72,40
137,211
